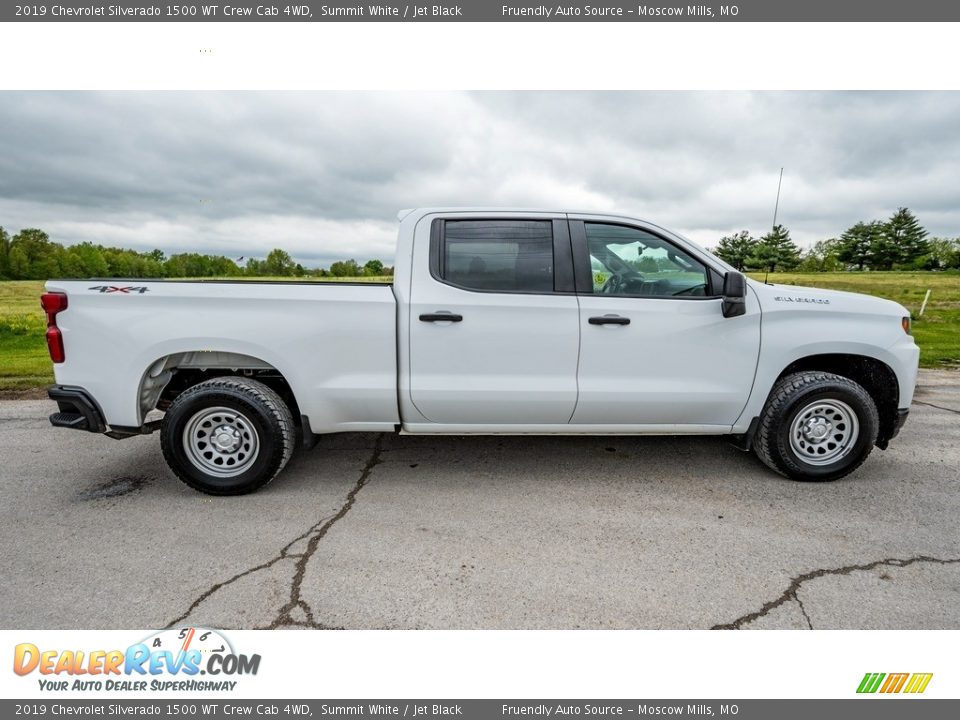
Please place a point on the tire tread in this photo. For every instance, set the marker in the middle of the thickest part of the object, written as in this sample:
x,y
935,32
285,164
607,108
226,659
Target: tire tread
x,y
782,393
257,392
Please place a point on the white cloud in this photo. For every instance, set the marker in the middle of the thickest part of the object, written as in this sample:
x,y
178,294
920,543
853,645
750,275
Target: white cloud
x,y
323,174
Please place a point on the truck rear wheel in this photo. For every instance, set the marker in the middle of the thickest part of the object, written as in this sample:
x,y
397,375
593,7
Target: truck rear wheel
x,y
816,426
227,436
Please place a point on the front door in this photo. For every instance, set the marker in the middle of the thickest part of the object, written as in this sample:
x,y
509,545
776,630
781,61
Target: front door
x,y
655,348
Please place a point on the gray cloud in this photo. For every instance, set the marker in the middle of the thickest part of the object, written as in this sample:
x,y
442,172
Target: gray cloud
x,y
323,174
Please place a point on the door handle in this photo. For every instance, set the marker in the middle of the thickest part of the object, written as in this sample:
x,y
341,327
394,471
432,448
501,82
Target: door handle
x,y
441,317
609,320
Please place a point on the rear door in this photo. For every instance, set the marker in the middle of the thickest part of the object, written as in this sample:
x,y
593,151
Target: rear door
x,y
494,323
655,347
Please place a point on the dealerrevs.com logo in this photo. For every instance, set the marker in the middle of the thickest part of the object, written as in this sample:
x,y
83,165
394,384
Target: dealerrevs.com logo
x,y
168,660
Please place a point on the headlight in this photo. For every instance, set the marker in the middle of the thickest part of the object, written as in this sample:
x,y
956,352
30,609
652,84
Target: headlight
x,y
905,323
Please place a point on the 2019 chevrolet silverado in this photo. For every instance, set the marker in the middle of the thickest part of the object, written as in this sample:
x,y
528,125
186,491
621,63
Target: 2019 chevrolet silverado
x,y
520,322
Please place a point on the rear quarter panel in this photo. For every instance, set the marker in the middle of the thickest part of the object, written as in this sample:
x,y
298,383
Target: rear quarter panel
x,y
335,344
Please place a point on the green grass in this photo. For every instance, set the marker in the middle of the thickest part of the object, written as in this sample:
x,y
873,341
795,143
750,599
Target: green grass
x,y
937,332
24,362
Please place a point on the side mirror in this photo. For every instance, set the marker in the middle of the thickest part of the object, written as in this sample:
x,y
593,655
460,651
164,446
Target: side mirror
x,y
734,294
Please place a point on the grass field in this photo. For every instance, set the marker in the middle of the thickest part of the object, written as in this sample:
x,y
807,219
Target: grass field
x,y
24,362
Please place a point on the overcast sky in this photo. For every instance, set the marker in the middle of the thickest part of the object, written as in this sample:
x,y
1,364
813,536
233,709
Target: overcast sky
x,y
324,174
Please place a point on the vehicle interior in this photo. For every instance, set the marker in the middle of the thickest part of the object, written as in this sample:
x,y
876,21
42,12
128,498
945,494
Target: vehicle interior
x,y
627,261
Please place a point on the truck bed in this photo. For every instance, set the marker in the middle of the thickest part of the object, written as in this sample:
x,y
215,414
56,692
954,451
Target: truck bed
x,y
334,343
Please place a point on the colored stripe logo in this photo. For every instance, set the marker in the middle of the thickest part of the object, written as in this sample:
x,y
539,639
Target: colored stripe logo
x,y
894,683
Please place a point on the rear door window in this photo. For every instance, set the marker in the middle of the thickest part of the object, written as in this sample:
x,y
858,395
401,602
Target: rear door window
x,y
498,255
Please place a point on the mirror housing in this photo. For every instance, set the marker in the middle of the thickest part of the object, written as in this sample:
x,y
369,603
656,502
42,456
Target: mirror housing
x,y
734,294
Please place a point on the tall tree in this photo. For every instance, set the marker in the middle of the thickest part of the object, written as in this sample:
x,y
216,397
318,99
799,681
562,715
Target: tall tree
x,y
775,251
373,267
39,253
345,268
906,237
858,244
736,249
279,262
91,260
822,257
944,254
19,263
883,253
4,253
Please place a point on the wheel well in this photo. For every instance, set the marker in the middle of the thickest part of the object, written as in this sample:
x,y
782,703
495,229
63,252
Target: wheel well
x,y
186,378
873,375
170,376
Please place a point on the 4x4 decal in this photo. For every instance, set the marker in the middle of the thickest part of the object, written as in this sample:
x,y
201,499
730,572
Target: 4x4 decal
x,y
126,289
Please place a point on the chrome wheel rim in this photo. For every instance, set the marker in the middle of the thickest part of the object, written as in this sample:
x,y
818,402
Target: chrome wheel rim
x,y
221,441
824,431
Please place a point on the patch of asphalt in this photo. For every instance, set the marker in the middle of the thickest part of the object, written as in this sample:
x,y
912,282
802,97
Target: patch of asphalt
x,y
790,593
115,487
25,394
313,535
938,407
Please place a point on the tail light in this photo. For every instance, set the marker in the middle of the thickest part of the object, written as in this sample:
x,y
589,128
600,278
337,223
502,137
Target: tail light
x,y
53,303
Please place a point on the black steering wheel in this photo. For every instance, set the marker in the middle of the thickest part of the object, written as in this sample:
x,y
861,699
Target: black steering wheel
x,y
611,285
616,282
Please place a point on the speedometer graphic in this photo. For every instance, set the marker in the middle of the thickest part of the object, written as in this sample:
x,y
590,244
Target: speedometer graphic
x,y
181,640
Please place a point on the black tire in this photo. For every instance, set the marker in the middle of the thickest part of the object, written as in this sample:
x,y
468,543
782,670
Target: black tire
x,y
249,413
795,396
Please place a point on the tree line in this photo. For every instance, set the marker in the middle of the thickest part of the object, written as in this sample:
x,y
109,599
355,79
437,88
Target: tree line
x,y
31,255
898,243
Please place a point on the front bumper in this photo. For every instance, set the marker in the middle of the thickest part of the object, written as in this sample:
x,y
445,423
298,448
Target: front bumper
x,y
77,410
898,423
901,419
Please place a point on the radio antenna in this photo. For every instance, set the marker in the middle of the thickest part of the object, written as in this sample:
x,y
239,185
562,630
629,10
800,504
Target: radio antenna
x,y
776,207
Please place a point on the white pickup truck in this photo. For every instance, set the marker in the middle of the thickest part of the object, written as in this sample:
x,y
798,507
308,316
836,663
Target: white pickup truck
x,y
519,322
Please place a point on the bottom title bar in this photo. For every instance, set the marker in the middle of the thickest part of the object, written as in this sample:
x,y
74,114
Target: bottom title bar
x,y
491,709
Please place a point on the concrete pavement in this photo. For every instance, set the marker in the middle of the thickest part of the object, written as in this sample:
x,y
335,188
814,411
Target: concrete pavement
x,y
381,531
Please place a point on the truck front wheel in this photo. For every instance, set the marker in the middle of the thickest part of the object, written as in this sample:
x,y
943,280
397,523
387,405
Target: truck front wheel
x,y
227,436
816,426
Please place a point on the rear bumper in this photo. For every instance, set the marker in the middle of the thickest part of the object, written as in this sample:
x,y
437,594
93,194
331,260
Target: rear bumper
x,y
77,409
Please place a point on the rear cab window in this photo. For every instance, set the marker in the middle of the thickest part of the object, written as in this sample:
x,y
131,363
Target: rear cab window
x,y
496,255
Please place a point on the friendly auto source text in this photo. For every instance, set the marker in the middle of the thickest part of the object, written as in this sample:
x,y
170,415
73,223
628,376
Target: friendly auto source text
x,y
640,11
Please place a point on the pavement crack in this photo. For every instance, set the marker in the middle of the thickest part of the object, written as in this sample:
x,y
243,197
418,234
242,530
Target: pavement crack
x,y
315,533
804,611
296,600
791,592
938,407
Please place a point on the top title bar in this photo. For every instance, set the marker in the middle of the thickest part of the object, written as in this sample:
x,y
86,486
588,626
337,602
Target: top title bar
x,y
485,11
